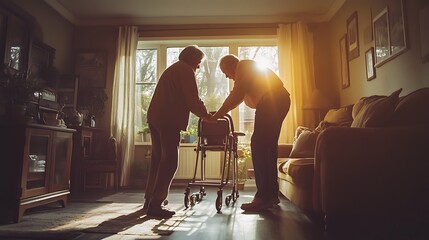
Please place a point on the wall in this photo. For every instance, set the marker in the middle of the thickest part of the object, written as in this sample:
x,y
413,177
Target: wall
x,y
405,71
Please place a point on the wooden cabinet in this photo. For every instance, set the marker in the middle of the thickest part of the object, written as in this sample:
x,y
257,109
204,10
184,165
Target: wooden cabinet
x,y
35,167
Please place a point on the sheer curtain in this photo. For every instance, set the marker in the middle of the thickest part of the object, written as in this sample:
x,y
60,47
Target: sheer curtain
x,y
296,68
123,103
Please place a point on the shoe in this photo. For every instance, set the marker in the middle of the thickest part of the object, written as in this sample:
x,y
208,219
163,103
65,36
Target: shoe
x,y
257,205
275,201
160,212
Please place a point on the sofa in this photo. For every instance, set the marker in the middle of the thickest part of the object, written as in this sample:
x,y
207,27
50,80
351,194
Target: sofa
x,y
365,160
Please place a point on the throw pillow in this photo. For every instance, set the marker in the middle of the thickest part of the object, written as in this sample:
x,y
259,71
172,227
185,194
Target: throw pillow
x,y
376,112
340,117
304,143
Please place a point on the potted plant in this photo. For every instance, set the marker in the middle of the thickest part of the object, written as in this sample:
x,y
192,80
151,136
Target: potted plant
x,y
190,135
92,99
16,88
244,154
145,134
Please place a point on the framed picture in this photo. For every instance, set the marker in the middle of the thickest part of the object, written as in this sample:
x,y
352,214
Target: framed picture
x,y
398,41
345,77
381,37
353,36
67,88
16,42
369,63
91,66
41,59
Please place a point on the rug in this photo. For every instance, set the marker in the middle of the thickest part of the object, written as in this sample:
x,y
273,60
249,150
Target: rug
x,y
92,217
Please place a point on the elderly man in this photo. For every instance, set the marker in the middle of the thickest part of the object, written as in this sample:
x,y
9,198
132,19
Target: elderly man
x,y
262,90
175,96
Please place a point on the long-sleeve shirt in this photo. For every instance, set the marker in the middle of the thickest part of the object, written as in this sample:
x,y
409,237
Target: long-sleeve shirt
x,y
175,96
251,83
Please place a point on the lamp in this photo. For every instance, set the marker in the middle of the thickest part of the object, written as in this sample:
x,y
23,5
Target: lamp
x,y
318,102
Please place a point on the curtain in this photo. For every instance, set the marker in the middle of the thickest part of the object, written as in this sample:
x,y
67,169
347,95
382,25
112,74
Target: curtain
x,y
123,102
296,69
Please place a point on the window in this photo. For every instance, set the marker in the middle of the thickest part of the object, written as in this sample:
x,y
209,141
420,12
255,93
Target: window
x,y
213,86
146,77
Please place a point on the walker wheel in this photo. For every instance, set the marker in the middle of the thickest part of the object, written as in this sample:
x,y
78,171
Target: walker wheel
x,y
186,198
228,200
193,200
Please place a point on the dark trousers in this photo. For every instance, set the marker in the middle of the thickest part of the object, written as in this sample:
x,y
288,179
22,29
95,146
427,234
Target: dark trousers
x,y
269,115
164,163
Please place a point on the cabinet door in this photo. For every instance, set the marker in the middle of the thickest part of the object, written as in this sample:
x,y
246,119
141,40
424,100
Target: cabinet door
x,y
36,162
62,150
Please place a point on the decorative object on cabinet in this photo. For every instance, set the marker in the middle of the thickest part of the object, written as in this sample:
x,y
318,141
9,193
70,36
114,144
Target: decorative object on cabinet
x,y
345,78
389,33
36,168
369,62
424,32
353,36
91,66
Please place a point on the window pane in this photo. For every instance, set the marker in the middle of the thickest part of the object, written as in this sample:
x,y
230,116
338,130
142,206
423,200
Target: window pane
x,y
146,77
213,86
267,56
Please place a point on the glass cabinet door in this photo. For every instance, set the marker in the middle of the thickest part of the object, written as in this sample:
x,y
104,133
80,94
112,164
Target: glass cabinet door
x,y
62,151
36,163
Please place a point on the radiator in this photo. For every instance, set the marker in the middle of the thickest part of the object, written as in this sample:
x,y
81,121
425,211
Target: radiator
x,y
187,157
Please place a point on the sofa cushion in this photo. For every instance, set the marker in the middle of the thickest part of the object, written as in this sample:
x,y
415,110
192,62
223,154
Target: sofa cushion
x,y
412,109
304,143
340,117
375,111
299,170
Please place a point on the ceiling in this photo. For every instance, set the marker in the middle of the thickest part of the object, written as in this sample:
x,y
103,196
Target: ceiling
x,y
158,12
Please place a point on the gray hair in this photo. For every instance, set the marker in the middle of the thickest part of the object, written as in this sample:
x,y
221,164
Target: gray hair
x,y
191,54
228,62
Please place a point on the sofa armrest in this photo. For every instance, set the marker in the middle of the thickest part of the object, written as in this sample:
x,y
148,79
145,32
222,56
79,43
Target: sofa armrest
x,y
284,150
371,171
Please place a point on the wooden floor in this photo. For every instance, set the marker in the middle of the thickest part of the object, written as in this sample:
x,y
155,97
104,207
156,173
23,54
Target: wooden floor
x,y
203,222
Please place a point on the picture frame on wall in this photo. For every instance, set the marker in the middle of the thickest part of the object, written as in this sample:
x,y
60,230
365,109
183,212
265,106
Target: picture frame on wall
x,y
41,59
389,30
345,76
398,41
369,63
91,66
353,36
381,37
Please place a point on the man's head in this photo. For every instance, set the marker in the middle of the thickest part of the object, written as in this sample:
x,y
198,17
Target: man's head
x,y
228,64
192,55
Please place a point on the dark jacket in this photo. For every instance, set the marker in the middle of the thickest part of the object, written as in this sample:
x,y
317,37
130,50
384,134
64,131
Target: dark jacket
x,y
175,96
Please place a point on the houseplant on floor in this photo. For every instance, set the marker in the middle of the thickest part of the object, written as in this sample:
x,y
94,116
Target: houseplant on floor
x,y
244,155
